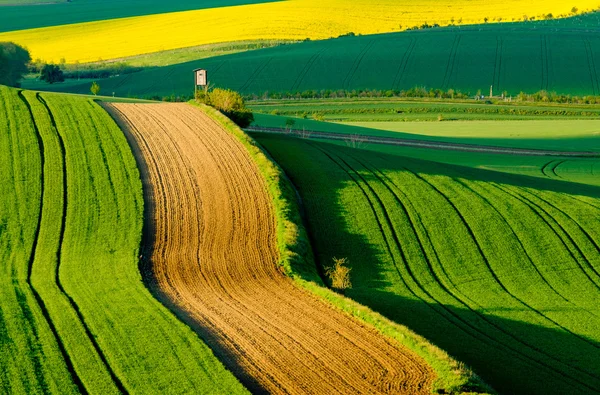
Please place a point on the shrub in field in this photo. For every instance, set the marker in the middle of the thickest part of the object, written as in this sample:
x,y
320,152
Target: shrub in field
x,y
339,274
228,102
51,73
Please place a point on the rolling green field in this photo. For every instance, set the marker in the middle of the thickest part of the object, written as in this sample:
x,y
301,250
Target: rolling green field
x,y
24,14
501,270
76,316
561,56
562,135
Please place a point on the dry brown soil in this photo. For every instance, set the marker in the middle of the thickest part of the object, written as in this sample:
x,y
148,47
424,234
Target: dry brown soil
x,y
214,263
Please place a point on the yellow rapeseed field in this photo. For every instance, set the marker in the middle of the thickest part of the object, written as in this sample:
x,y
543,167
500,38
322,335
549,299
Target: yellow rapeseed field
x,y
292,19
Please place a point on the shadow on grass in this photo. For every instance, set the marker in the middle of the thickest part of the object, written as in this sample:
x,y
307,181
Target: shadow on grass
x,y
515,357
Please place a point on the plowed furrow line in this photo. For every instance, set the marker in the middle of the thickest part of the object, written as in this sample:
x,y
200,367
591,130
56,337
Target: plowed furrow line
x,y
214,261
214,151
262,323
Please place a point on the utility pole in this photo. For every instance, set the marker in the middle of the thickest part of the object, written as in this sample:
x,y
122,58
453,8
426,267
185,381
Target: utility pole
x,y
491,91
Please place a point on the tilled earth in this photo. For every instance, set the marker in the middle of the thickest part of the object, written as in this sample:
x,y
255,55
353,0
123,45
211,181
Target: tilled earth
x,y
212,245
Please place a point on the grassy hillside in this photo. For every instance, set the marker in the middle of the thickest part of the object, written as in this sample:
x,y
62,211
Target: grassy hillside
x,y
22,15
501,270
294,19
561,56
76,316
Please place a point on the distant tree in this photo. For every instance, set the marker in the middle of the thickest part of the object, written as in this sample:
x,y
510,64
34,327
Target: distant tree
x,y
574,10
13,63
51,73
95,88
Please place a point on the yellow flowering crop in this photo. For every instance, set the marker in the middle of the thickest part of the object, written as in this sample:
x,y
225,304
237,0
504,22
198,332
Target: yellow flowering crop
x,y
292,19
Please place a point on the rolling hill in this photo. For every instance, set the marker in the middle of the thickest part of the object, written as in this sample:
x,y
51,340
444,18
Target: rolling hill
x,y
561,56
292,19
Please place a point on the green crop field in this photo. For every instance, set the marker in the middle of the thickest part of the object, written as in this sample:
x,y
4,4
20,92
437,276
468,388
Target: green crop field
x,y
561,56
387,110
25,14
76,316
501,270
557,135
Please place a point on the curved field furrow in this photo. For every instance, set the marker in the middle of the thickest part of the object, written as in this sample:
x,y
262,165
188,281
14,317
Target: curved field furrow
x,y
214,261
447,298
400,240
497,268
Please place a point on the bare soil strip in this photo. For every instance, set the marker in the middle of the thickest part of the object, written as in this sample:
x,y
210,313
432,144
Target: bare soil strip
x,y
214,262
362,138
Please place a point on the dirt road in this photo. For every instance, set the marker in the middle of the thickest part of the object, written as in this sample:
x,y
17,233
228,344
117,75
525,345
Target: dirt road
x,y
214,260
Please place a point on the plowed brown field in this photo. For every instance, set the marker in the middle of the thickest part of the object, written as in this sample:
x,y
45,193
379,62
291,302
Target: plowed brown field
x,y
214,261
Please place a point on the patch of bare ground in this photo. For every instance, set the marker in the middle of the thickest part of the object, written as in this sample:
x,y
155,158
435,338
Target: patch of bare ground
x,y
211,233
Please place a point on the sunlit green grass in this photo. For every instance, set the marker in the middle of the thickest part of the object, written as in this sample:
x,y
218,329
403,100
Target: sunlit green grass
x,y
501,270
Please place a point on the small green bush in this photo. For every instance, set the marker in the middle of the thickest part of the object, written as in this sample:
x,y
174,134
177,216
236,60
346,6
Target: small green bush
x,y
229,103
